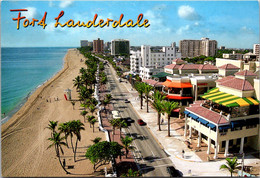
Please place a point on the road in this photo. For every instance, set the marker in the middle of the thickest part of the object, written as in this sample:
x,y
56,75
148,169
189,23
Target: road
x,y
149,156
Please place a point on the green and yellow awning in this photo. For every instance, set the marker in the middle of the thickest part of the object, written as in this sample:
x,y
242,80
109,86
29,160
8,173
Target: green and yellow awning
x,y
227,99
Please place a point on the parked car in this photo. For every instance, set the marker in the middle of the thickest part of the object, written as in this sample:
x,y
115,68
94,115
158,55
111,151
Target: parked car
x,y
141,122
173,172
127,101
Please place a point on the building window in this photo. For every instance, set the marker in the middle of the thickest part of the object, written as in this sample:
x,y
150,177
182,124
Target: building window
x,y
223,144
238,141
171,54
230,142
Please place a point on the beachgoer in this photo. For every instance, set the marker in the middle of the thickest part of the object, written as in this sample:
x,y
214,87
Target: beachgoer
x,y
57,98
183,153
47,100
64,163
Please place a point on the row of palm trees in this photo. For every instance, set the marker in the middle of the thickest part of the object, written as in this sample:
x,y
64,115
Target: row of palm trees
x,y
160,104
70,128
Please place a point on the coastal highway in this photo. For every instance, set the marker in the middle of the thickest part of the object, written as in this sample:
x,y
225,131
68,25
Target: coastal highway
x,y
149,156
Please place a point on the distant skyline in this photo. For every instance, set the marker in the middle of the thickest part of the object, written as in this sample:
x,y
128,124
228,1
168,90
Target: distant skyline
x,y
234,24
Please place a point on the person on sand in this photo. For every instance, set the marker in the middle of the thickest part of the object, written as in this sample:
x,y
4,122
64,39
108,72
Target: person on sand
x,y
46,100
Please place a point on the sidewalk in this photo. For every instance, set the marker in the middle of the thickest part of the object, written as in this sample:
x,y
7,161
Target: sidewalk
x,y
191,164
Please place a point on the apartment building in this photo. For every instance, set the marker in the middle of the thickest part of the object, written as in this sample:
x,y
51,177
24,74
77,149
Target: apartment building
x,y
135,61
179,66
233,55
98,46
120,46
84,43
228,117
153,60
256,50
193,48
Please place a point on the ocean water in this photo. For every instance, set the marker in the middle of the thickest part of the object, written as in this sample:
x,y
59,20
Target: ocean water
x,y
23,70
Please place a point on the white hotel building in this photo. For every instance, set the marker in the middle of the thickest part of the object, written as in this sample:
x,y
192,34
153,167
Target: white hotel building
x,y
148,62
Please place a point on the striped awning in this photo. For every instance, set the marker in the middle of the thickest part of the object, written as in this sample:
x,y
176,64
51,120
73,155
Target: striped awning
x,y
227,99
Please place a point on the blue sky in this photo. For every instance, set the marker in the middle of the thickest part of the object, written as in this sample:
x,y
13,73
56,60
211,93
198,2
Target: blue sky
x,y
234,24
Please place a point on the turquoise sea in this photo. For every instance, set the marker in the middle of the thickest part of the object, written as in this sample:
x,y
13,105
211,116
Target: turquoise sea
x,y
22,71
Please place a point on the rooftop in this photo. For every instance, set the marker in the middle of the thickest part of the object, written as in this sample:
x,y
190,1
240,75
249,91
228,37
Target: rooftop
x,y
245,73
228,66
172,66
238,84
208,114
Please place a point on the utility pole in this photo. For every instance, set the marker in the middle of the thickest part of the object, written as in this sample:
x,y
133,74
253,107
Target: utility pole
x,y
243,155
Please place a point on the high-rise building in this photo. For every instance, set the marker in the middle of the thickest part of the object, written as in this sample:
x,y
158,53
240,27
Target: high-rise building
x,y
193,48
257,50
152,59
120,46
84,43
107,46
98,46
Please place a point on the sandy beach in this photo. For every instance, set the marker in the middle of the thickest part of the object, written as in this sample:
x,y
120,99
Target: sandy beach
x,y
24,137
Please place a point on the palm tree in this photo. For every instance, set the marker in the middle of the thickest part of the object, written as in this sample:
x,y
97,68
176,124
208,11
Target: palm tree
x,y
127,141
93,121
121,124
109,96
231,165
168,106
52,126
77,82
140,87
105,103
83,113
77,128
147,90
157,99
63,128
57,143
70,130
89,120
114,123
92,109
96,140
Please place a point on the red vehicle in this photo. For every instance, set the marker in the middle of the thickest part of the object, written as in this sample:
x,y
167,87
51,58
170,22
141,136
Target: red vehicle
x,y
141,122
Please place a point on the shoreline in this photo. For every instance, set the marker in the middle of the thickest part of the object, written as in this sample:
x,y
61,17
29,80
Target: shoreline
x,y
24,138
33,96
24,100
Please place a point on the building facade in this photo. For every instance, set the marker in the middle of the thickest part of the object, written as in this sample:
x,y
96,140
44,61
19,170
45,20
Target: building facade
x,y
85,43
256,50
193,48
98,46
228,119
153,58
120,46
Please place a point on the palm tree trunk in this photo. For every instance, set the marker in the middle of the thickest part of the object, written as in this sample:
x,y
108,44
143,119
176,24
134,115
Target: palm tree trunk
x,y
76,145
169,126
71,144
120,132
126,152
147,103
93,128
141,101
159,121
58,155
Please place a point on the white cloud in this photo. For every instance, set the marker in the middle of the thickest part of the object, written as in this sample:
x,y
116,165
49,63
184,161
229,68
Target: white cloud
x,y
31,13
247,30
65,4
188,13
51,4
183,29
